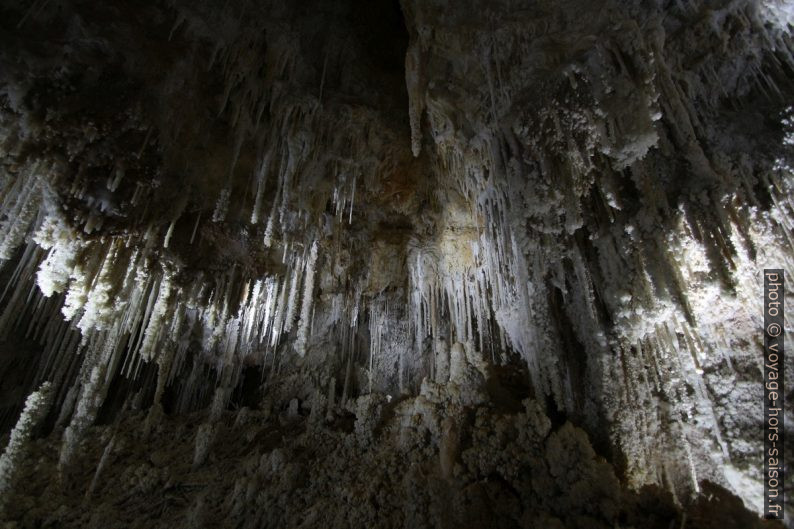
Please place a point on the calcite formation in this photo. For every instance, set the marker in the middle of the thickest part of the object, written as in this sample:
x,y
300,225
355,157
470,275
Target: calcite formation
x,y
415,264
437,459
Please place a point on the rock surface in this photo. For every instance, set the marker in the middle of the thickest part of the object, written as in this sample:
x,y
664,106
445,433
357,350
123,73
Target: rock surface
x,y
333,210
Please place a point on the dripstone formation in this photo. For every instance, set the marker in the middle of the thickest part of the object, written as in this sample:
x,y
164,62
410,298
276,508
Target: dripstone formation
x,y
368,263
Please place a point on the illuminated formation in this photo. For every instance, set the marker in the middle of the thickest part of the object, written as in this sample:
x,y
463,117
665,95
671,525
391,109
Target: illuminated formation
x,y
269,264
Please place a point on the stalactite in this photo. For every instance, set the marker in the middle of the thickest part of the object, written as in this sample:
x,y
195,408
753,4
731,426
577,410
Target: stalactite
x,y
308,297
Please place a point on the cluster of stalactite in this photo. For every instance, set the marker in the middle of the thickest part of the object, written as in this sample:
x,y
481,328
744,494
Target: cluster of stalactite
x,y
589,189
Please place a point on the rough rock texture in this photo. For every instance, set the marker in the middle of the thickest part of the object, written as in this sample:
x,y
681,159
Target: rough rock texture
x,y
367,208
424,461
